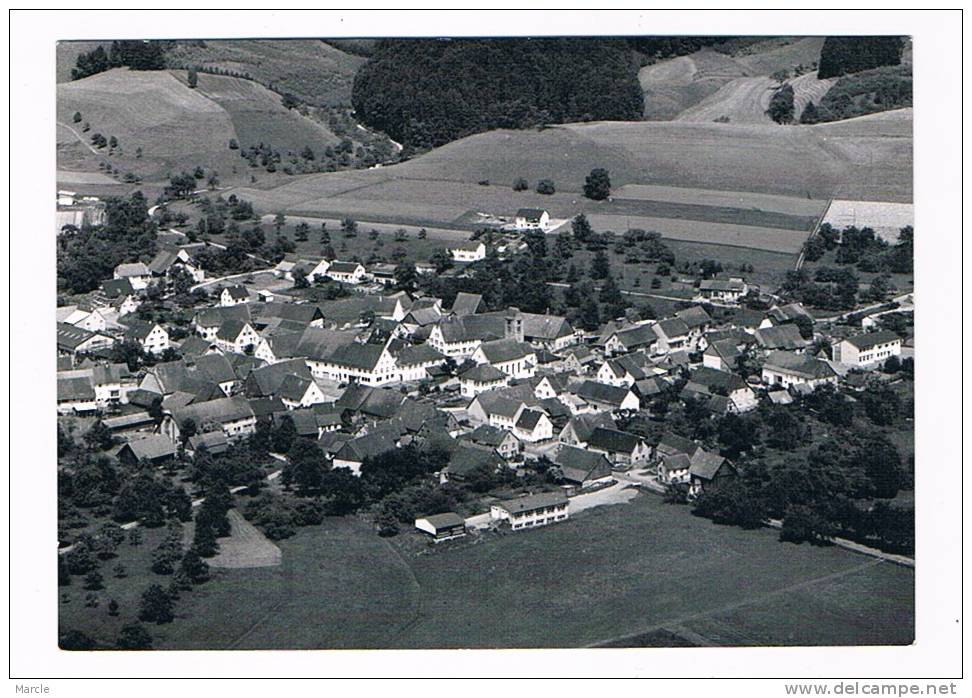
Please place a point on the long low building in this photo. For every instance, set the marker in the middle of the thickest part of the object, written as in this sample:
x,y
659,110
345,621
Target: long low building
x,y
532,511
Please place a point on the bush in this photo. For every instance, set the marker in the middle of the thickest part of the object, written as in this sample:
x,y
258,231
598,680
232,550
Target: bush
x,y
545,186
801,523
134,636
156,606
520,184
597,186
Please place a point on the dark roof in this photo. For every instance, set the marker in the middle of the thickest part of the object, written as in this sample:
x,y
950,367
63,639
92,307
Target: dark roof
x,y
448,519
71,337
671,444
483,373
152,447
694,317
418,354
799,364
214,317
139,329
468,328
268,380
194,345
533,502
77,388
528,419
133,419
582,459
718,380
786,336
601,392
545,326
213,441
488,436
360,356
294,387
466,458
706,464
214,367
221,411
230,330
872,339
115,288
531,214
585,424
264,406
634,337
671,328
371,444
236,292
613,440
343,267
467,303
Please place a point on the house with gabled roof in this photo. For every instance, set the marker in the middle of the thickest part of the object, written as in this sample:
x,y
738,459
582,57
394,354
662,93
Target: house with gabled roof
x,y
579,428
480,378
136,273
788,370
153,448
369,364
532,510
705,383
784,337
353,453
672,335
467,250
551,332
207,321
467,304
622,448
74,340
722,355
728,291
233,295
150,336
707,471
578,359
504,442
458,337
532,425
75,395
638,338
582,468
237,336
233,415
414,361
346,272
607,397
85,316
530,219
515,359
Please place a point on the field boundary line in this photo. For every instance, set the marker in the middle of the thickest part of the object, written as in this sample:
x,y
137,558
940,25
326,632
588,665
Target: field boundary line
x,y
800,259
745,602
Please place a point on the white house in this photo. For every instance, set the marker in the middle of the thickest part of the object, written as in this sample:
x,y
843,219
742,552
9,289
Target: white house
x,y
468,251
137,274
296,391
346,272
232,415
532,426
515,359
368,364
722,290
480,378
530,219
152,337
233,295
236,336
867,350
74,340
532,511
87,318
786,369
414,362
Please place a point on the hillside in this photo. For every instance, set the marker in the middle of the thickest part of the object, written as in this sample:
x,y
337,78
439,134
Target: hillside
x,y
66,56
315,72
731,80
708,181
175,127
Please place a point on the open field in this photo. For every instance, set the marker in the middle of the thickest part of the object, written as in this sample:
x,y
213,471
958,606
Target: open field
x,y
259,117
316,72
634,569
792,205
771,239
176,128
246,546
887,219
709,83
808,88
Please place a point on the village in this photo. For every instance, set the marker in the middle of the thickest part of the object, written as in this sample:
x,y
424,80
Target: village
x,y
499,391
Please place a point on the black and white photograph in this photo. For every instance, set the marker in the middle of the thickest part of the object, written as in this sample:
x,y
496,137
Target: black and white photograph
x,y
441,338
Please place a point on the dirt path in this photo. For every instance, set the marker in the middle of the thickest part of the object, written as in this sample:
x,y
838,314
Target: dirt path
x,y
78,136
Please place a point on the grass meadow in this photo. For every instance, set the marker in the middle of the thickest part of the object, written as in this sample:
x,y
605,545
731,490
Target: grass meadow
x,y
616,574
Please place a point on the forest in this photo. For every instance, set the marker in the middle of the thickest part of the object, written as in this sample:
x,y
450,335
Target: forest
x,y
424,93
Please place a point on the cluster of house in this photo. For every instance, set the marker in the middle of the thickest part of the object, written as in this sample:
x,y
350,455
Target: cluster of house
x,y
372,372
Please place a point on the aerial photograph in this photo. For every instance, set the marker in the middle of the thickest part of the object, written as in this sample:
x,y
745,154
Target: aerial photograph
x,y
483,343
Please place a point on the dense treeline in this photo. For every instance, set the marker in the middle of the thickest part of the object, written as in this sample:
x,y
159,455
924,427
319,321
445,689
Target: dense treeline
x,y
88,256
137,55
670,46
867,92
424,93
841,55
